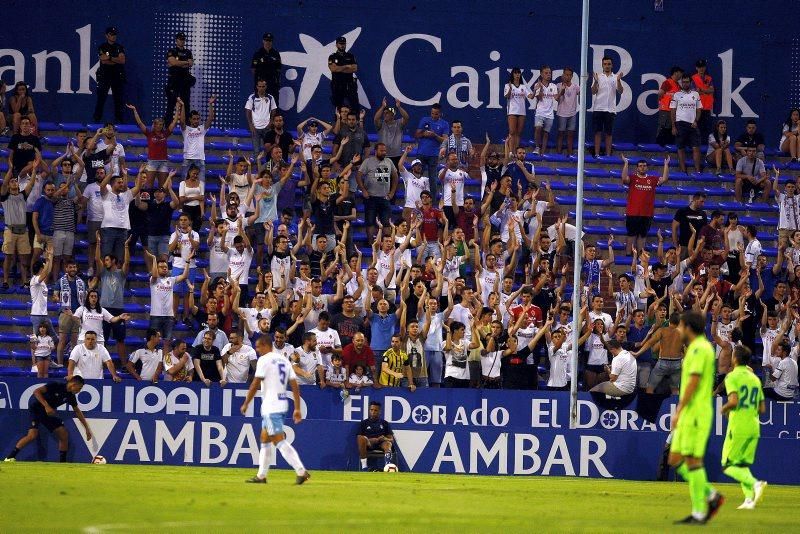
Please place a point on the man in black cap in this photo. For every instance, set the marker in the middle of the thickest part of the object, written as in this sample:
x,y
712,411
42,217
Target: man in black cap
x,y
110,75
344,86
179,75
266,65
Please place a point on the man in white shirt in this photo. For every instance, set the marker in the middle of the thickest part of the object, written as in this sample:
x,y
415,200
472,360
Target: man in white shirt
x,y
784,375
453,178
685,109
194,139
622,372
150,356
788,206
414,184
86,360
115,165
162,286
328,341
237,360
94,215
258,109
559,351
306,361
116,221
753,249
605,87
183,245
240,256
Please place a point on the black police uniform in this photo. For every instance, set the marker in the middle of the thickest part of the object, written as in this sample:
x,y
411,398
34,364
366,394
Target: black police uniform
x,y
267,67
179,82
110,77
344,87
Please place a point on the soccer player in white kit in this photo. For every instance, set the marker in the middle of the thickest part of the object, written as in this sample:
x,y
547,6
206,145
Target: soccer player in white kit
x,y
274,375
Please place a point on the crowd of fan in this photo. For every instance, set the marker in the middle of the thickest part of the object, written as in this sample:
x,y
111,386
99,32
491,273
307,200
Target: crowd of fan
x,y
458,291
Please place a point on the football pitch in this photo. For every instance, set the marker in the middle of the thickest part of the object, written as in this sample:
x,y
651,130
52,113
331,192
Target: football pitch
x,y
50,497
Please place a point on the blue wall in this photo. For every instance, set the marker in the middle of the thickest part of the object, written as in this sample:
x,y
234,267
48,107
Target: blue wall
x,y
443,431
458,52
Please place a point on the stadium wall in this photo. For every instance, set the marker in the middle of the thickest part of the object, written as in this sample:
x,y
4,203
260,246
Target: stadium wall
x,y
441,431
454,52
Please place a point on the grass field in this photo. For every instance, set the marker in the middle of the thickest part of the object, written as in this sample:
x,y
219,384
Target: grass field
x,y
86,498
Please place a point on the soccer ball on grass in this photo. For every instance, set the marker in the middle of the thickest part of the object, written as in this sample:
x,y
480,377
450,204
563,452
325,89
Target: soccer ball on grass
x,y
390,468
99,460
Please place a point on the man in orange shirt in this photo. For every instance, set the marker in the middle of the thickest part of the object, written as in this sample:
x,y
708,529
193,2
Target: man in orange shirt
x,y
705,86
664,135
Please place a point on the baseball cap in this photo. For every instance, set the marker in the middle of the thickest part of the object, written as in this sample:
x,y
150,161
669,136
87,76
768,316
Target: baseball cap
x,y
180,35
313,123
161,189
494,154
700,63
341,39
416,162
391,110
112,30
267,36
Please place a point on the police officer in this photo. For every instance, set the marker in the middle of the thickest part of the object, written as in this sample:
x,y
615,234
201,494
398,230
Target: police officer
x,y
266,65
179,75
344,85
110,75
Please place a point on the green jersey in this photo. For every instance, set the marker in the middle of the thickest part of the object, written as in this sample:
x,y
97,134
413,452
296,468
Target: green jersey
x,y
743,419
699,360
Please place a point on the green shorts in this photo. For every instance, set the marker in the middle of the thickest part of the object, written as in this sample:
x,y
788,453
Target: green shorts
x,y
739,450
691,435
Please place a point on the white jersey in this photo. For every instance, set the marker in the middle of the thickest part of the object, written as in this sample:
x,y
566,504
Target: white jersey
x,y
326,338
789,216
309,140
547,105
624,366
238,367
560,372
239,264
275,373
685,104
89,363
456,361
44,346
161,296
308,362
463,315
92,321
786,383
457,177
150,360
94,206
488,279
217,258
38,289
517,100
414,187
286,350
384,266
184,249
194,140
253,315
767,338
724,333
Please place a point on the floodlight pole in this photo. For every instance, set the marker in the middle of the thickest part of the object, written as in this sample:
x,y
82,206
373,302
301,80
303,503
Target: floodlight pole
x,y
576,277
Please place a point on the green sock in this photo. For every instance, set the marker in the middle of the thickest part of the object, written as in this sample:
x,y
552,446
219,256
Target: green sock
x,y
682,470
698,485
744,477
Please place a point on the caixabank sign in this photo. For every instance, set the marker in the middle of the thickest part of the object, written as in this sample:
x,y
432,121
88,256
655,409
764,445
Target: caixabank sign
x,y
438,431
456,53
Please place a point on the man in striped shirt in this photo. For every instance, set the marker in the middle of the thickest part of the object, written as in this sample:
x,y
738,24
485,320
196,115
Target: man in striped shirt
x,y
456,142
65,215
396,366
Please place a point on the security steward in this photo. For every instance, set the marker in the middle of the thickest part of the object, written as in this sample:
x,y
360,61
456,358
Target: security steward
x,y
266,65
344,84
179,75
110,76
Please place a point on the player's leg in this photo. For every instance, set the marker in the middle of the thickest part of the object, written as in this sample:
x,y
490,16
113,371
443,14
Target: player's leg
x,y
289,453
363,445
32,434
63,442
738,454
387,452
265,454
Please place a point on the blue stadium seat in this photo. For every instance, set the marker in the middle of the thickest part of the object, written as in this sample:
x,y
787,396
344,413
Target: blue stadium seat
x,y
45,126
218,132
237,132
223,145
624,147
13,337
128,128
597,173
55,140
555,158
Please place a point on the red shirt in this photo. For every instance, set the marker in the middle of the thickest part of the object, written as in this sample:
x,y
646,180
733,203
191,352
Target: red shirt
x,y
641,195
534,314
707,99
350,357
464,221
430,223
157,144
670,87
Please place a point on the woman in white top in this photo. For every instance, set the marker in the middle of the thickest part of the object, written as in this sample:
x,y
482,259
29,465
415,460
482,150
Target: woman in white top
x,y
92,315
41,349
790,140
719,143
192,194
516,92
456,347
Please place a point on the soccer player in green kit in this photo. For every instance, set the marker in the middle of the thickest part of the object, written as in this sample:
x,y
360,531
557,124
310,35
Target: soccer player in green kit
x,y
693,419
745,403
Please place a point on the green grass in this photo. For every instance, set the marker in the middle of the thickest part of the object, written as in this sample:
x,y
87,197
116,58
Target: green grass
x,y
46,497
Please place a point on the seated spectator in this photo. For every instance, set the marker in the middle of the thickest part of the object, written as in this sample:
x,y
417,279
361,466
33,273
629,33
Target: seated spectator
x,y
374,434
622,372
152,363
178,365
336,374
751,178
20,107
784,375
790,136
87,359
719,148
359,379
395,366
750,139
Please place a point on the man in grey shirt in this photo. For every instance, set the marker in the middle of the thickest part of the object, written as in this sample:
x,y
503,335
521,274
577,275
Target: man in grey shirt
x,y
390,130
112,279
357,143
15,235
751,178
377,181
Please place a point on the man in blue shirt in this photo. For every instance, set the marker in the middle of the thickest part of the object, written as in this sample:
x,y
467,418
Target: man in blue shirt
x,y
43,210
430,133
521,172
637,331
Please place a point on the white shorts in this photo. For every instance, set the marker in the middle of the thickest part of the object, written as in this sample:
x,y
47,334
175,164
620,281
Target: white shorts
x,y
546,123
273,423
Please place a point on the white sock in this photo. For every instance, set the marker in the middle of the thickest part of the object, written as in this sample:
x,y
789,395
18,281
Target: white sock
x,y
264,459
290,455
363,463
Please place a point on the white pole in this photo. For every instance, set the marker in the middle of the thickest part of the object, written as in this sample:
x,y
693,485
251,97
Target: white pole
x,y
576,278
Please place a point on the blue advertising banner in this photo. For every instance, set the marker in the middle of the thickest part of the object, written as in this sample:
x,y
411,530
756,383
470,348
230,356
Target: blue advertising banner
x,y
438,431
456,53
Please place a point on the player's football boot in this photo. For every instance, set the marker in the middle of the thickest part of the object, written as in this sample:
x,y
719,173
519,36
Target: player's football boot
x,y
690,520
714,504
302,478
748,504
758,489
256,480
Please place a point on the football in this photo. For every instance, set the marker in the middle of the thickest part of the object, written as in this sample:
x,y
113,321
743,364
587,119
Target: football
x,y
100,460
390,468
